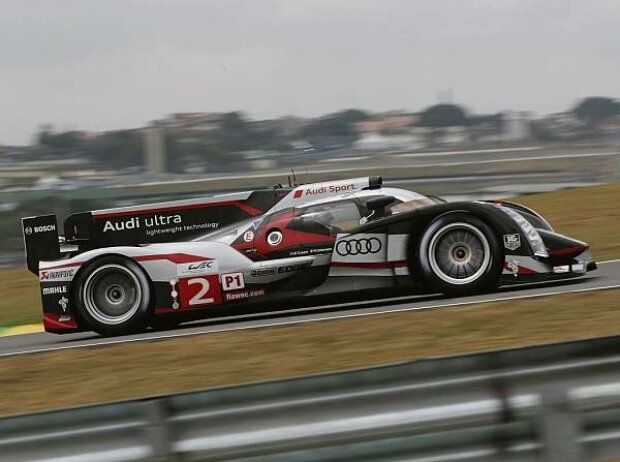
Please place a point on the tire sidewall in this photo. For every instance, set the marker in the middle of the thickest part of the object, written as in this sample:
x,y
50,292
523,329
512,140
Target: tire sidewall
x,y
137,322
487,281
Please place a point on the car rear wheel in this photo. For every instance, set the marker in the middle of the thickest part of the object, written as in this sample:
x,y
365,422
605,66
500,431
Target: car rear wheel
x,y
459,254
113,295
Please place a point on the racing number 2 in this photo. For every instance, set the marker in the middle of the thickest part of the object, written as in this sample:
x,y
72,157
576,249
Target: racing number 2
x,y
199,298
200,290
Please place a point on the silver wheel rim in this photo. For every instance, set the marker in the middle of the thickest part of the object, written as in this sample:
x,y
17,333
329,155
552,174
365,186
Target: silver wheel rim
x,y
459,253
112,294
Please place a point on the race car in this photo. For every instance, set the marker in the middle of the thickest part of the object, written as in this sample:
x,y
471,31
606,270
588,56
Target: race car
x,y
119,271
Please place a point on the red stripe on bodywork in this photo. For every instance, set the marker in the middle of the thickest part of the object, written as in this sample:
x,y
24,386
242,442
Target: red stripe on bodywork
x,y
177,258
378,264
173,257
51,322
66,265
522,269
240,205
575,249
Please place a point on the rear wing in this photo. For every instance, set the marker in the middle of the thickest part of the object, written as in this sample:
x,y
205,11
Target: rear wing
x,y
166,221
40,240
143,224
169,221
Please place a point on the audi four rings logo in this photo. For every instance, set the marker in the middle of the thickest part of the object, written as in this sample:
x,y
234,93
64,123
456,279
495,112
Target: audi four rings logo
x,y
358,246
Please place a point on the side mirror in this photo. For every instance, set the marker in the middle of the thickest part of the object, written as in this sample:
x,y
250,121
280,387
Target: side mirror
x,y
377,206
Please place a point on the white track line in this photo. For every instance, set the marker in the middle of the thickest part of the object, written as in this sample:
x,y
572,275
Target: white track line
x,y
318,171
615,260
344,159
292,322
315,171
472,151
520,159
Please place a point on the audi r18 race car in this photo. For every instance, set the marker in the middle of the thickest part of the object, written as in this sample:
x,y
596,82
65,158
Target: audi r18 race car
x,y
120,271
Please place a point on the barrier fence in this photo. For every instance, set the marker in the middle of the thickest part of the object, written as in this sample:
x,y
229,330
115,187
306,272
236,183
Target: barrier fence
x,y
554,403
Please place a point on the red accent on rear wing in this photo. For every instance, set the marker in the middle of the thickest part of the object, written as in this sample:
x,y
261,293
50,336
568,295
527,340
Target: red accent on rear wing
x,y
171,209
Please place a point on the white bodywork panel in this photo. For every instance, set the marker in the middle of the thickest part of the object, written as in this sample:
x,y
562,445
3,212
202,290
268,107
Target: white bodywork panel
x,y
369,254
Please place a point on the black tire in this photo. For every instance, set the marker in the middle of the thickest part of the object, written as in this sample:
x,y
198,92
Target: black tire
x,y
113,296
459,254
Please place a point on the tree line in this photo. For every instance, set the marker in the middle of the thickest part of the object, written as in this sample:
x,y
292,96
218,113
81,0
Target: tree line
x,y
234,133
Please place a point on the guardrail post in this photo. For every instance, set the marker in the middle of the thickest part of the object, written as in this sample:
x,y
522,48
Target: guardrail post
x,y
158,432
560,428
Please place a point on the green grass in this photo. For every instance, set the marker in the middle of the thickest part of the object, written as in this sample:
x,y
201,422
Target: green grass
x,y
90,375
591,214
20,302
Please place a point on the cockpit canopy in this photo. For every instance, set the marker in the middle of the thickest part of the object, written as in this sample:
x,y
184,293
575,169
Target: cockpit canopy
x,y
333,215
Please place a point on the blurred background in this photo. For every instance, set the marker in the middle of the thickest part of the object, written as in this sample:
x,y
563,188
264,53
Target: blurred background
x,y
119,102
112,103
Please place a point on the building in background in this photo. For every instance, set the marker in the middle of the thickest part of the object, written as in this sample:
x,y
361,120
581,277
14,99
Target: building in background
x,y
388,131
516,126
154,147
191,121
454,136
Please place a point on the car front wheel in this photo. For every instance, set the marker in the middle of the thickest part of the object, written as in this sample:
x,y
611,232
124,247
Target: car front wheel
x,y
460,254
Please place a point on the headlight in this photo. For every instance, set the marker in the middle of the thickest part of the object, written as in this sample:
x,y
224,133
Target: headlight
x,y
530,232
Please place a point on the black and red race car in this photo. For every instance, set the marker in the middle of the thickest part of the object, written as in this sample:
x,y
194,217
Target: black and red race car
x,y
119,271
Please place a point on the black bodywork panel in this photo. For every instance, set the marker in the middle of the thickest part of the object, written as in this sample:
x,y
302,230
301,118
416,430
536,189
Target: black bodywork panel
x,y
164,222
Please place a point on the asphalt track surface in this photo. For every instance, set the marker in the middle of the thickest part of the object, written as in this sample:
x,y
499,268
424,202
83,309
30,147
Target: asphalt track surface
x,y
606,277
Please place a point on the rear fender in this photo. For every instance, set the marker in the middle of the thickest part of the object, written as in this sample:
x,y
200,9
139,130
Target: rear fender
x,y
161,262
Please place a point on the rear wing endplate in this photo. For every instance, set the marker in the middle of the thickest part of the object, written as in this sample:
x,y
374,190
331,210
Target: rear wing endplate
x,y
40,240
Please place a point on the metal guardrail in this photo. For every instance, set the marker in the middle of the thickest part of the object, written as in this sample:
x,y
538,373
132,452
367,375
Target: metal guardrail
x,y
554,403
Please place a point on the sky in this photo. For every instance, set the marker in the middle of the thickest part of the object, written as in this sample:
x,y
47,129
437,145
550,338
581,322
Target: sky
x,y
111,64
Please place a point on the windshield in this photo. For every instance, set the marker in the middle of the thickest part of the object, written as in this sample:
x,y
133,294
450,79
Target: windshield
x,y
335,216
413,204
404,201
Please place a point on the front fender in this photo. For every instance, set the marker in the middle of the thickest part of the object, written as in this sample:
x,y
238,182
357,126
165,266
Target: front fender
x,y
415,222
